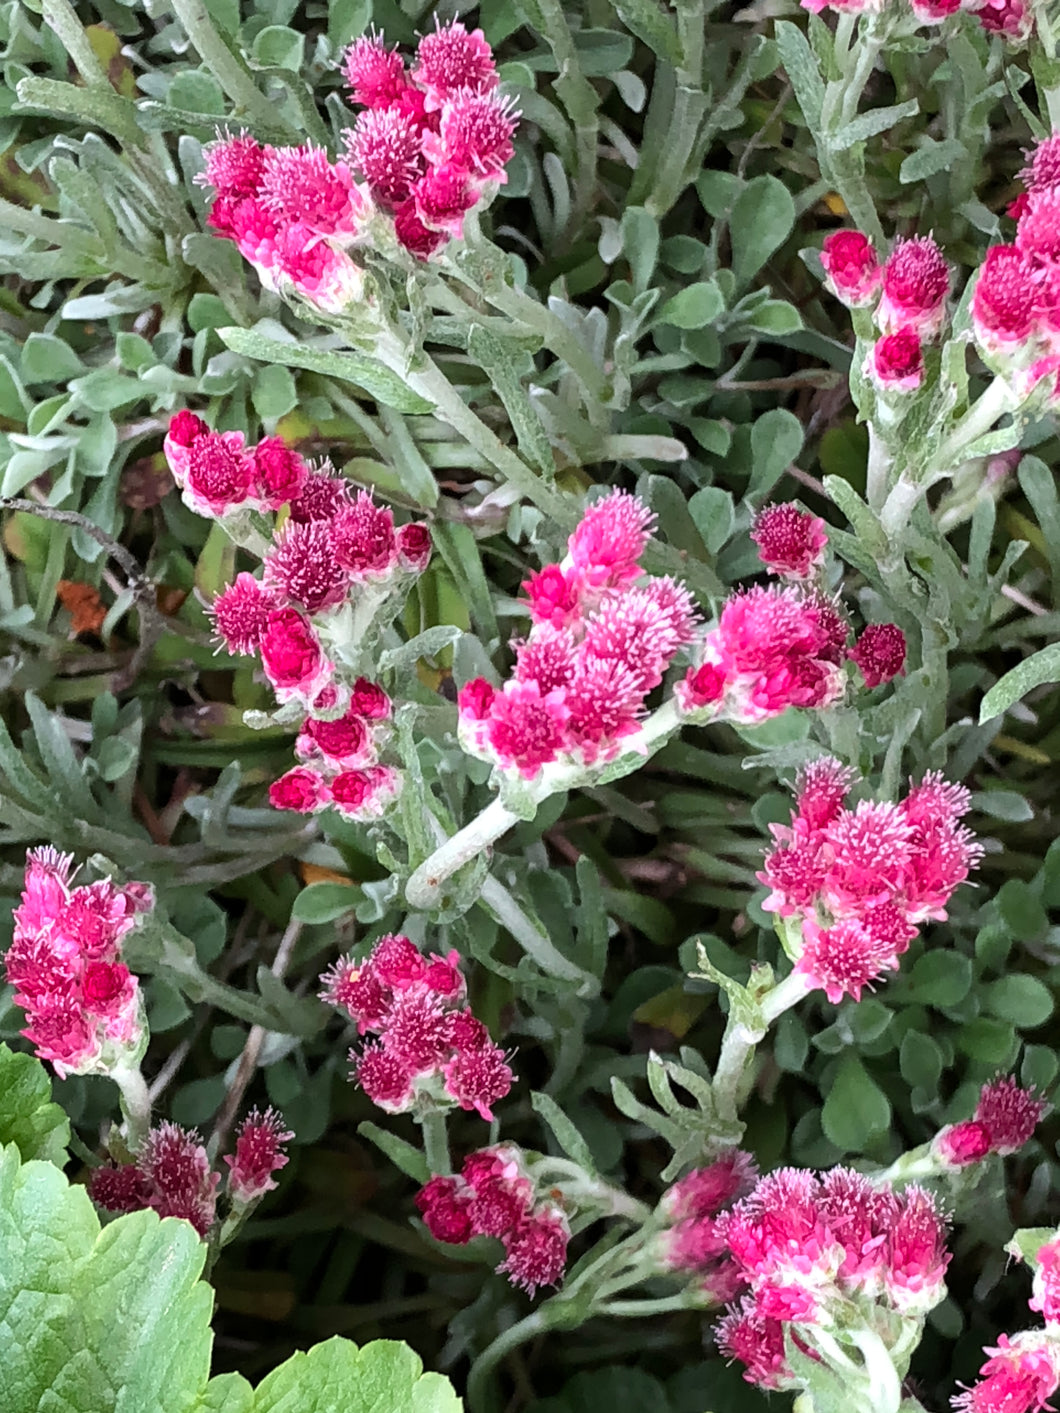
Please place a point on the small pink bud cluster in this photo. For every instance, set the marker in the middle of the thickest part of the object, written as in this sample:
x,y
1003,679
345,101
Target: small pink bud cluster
x,y
1016,304
861,880
430,1050
602,637
1004,1120
1022,1373
336,552
808,1246
495,1196
173,1177
433,141
83,1005
909,293
340,760
696,1206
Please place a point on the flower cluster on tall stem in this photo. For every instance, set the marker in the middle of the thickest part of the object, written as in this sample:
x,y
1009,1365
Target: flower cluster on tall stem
x,y
83,1006
602,636
429,1051
495,1195
431,143
821,1252
1016,303
858,881
1012,19
172,1174
334,566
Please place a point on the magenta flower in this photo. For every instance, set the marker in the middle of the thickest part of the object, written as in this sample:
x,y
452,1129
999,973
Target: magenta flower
x,y
916,281
612,535
259,1154
896,362
1019,1376
854,273
450,60
171,1175
790,541
879,653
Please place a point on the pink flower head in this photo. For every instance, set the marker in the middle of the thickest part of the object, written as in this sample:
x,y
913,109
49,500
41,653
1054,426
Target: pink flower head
x,y
1012,19
821,787
279,472
879,653
385,1078
1043,169
322,275
527,728
450,59
555,596
700,687
916,280
414,547
642,629
177,1175
859,1215
301,184
416,237
777,1234
1009,1114
1037,234
220,474
1019,1376
443,196
234,166
357,990
342,742
705,1191
475,134
777,648
302,568
474,702
363,539
444,1203
1046,1294
240,614
548,657
1004,303
258,1155
916,1254
896,363
960,1145
375,74
842,959
321,497
606,547
365,794
256,229
416,1032
184,429
301,789
385,148
120,1189
693,1245
605,699
795,871
757,1341
291,656
536,1252
854,273
871,848
790,541
477,1076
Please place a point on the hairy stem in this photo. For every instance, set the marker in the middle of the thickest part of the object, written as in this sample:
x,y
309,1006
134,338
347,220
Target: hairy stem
x,y
135,1104
534,942
435,1142
479,1379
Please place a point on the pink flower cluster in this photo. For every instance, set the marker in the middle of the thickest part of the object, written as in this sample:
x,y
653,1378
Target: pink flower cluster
x,y
431,144
909,293
1021,1373
1005,1119
860,880
602,637
433,141
83,1005
1016,304
696,1206
1011,18
808,1245
336,550
430,1051
495,1196
172,1173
